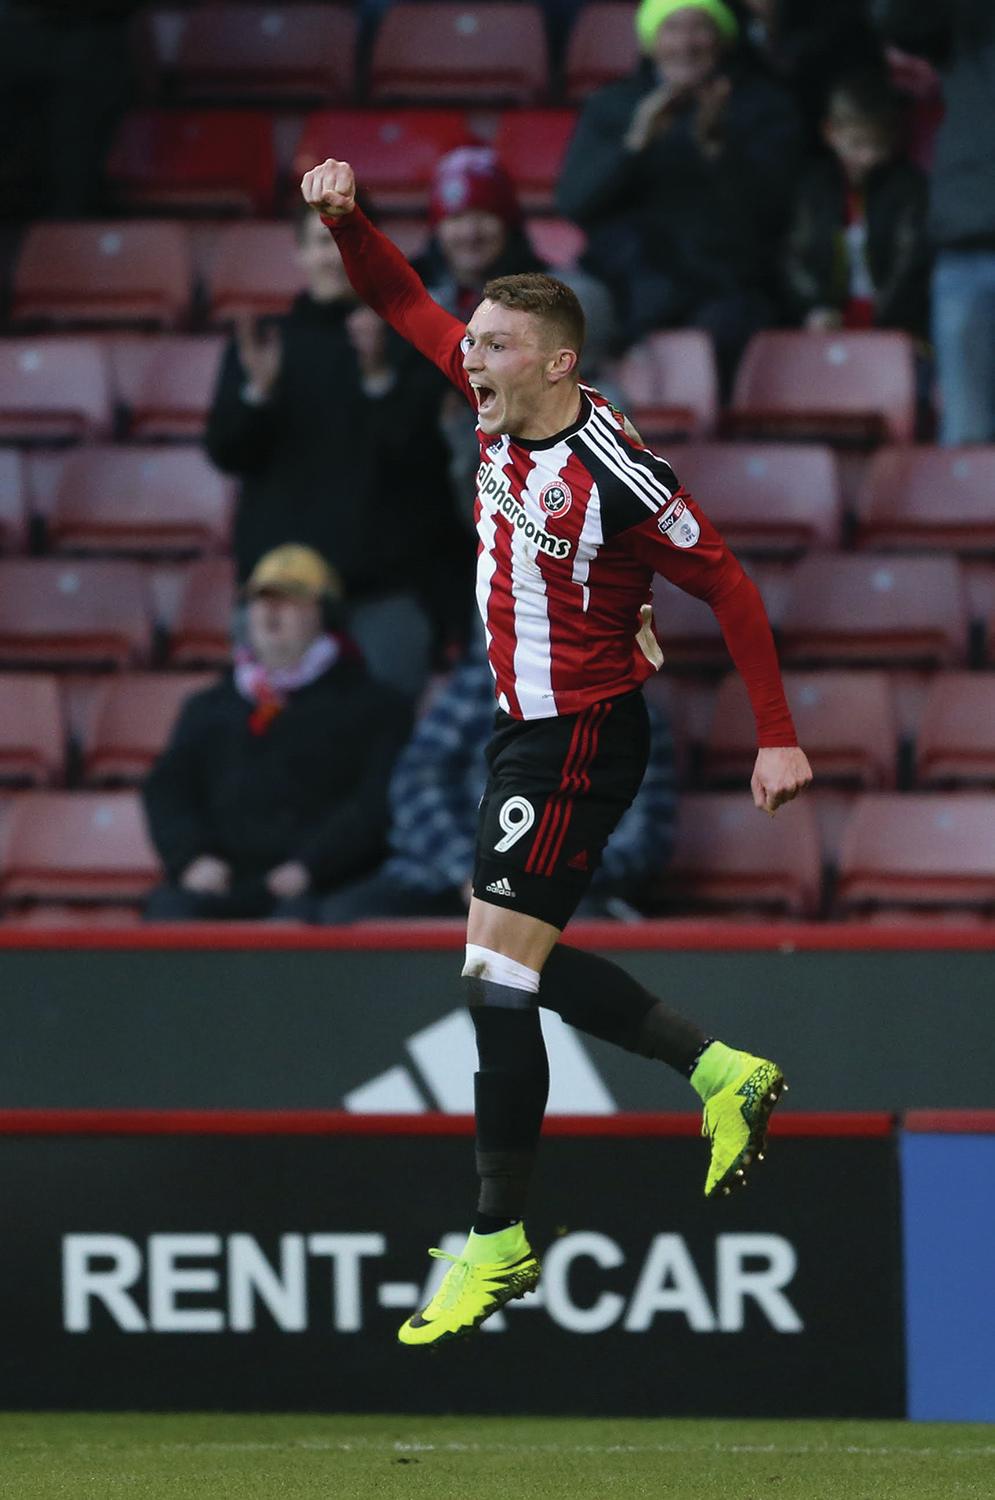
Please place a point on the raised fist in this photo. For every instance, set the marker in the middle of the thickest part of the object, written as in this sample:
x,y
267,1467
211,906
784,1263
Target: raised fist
x,y
330,188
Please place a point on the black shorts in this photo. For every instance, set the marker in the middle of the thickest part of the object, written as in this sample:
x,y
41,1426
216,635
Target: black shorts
x,y
555,792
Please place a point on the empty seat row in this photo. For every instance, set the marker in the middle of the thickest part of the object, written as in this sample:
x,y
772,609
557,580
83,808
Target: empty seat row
x,y
789,383
481,50
847,721
136,274
898,849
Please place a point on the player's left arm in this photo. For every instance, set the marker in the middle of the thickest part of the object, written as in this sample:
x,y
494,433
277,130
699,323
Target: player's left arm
x,y
677,540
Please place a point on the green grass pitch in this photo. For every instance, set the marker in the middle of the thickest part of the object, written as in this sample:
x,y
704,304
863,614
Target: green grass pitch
x,y
208,1457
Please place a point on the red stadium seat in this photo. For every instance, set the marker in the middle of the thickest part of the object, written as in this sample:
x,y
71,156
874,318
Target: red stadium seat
x,y
956,739
131,723
13,501
58,915
166,382
849,385
100,273
393,151
902,610
919,849
845,721
766,497
532,144
556,241
727,853
203,626
193,161
671,385
84,846
62,613
267,54
472,51
687,629
930,497
140,500
53,390
602,47
32,730
255,271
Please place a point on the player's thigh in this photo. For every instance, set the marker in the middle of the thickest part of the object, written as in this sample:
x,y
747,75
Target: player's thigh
x,y
526,939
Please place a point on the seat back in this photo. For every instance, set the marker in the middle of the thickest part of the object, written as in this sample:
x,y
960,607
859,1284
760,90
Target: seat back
x,y
62,613
844,608
845,721
100,273
929,849
202,630
671,384
774,498
602,47
87,846
393,151
255,271
726,853
131,723
267,54
32,730
193,160
53,390
956,738
140,500
852,385
922,496
13,501
531,144
166,382
472,51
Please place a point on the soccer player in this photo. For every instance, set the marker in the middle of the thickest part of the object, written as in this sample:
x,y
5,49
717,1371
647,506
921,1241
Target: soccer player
x,y
574,516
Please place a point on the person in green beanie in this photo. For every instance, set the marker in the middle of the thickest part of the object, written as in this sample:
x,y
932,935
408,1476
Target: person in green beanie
x,y
682,175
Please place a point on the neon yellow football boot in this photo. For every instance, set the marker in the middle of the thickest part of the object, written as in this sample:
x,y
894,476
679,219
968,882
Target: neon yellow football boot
x,y
736,1120
469,1293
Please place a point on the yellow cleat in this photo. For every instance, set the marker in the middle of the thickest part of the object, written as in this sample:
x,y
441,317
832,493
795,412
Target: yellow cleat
x,y
736,1120
469,1293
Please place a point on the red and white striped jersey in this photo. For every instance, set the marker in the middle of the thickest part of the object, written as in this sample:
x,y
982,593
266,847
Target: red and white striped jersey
x,y
571,531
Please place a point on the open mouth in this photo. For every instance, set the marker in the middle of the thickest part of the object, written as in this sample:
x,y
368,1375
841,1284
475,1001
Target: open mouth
x,y
486,399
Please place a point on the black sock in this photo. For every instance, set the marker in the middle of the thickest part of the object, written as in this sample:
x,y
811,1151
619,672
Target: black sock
x,y
491,1224
510,1090
598,997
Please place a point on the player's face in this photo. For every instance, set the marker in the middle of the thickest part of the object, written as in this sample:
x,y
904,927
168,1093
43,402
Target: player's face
x,y
687,48
471,243
319,257
281,627
506,359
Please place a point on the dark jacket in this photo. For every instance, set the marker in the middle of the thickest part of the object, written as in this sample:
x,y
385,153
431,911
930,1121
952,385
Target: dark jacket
x,y
959,36
816,267
311,787
712,225
361,479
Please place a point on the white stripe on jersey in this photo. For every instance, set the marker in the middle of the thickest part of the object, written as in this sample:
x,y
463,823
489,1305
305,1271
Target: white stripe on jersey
x,y
486,566
643,484
533,648
590,540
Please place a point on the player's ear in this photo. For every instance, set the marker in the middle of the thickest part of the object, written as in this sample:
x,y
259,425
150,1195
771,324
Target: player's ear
x,y
561,364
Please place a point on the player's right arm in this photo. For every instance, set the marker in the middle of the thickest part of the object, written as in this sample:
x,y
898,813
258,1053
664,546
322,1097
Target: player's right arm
x,y
381,275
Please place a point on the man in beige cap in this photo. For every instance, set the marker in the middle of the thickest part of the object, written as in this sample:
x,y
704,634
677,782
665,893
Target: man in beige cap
x,y
272,789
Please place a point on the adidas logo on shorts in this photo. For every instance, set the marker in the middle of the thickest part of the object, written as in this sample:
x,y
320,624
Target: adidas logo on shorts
x,y
500,887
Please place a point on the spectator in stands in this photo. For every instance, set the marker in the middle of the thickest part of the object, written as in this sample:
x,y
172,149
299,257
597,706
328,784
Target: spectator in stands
x,y
273,788
959,35
682,175
477,234
858,252
66,76
434,795
806,47
331,423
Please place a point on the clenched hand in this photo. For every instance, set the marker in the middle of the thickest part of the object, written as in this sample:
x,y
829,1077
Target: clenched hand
x,y
330,188
778,776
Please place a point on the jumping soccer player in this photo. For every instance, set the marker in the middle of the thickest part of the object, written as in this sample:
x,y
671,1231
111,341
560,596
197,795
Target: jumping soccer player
x,y
574,517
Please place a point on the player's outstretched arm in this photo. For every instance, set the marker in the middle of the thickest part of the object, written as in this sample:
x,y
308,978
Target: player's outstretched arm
x,y
379,272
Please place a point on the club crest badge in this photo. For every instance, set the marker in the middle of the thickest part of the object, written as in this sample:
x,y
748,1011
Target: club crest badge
x,y
556,498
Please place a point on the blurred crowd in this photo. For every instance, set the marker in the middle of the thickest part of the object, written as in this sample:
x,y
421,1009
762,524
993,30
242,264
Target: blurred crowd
x,y
769,163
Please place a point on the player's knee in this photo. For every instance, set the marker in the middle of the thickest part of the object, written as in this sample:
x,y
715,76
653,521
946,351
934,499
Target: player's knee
x,y
493,979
